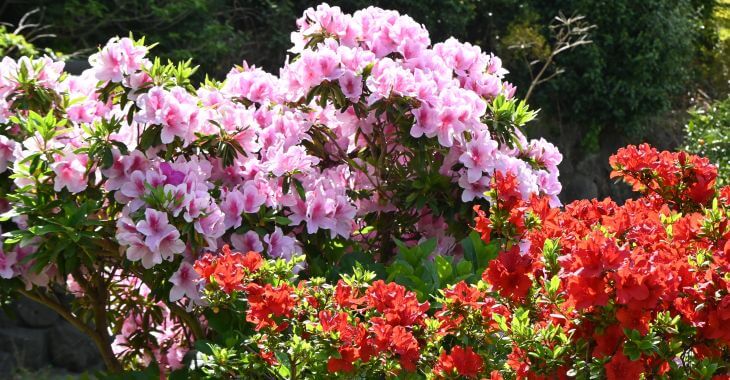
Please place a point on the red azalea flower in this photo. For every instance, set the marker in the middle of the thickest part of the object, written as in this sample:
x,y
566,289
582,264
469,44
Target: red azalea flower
x,y
267,302
269,358
205,265
345,296
461,361
252,261
464,295
621,367
507,187
348,355
509,274
228,268
398,306
229,273
405,345
482,224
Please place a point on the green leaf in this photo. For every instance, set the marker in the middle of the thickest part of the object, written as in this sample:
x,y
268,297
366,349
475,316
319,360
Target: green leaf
x,y
443,268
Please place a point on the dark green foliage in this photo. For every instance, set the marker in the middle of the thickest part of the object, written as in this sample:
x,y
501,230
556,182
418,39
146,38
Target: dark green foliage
x,y
639,62
216,33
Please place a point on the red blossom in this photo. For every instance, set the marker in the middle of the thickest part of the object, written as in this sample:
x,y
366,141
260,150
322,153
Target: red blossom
x,y
509,274
482,224
228,269
507,187
268,302
398,306
621,367
460,361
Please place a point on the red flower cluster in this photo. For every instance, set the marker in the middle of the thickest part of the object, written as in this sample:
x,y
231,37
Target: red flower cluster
x,y
266,303
510,273
394,313
639,289
228,269
677,177
460,361
620,267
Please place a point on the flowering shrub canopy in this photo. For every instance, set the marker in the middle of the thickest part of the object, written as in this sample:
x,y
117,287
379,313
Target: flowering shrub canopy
x,y
211,219
118,179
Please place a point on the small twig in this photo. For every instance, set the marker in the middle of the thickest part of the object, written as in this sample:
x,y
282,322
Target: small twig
x,y
568,33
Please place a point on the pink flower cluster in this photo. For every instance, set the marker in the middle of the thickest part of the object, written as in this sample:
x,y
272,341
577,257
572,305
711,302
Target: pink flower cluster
x,y
177,200
119,58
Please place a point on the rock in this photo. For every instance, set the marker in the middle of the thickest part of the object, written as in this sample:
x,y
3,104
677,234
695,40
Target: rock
x,y
8,319
593,165
71,349
579,187
33,314
7,364
29,347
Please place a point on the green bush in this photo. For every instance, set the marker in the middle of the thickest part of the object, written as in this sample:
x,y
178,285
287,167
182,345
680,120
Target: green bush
x,y
708,134
638,64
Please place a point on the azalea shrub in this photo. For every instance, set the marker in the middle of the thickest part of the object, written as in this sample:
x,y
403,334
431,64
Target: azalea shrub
x,y
373,210
370,142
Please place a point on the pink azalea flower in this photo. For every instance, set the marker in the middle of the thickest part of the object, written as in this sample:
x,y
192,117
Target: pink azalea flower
x,y
344,216
7,261
233,206
320,208
479,157
70,170
6,152
212,225
171,245
252,198
139,251
185,281
280,245
351,86
249,241
118,58
160,236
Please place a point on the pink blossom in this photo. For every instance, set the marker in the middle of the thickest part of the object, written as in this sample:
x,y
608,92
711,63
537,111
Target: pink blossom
x,y
252,83
281,162
253,199
320,209
479,157
344,218
7,262
122,168
351,86
185,281
6,152
280,246
160,237
212,225
137,250
249,241
118,58
232,206
70,170
473,190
